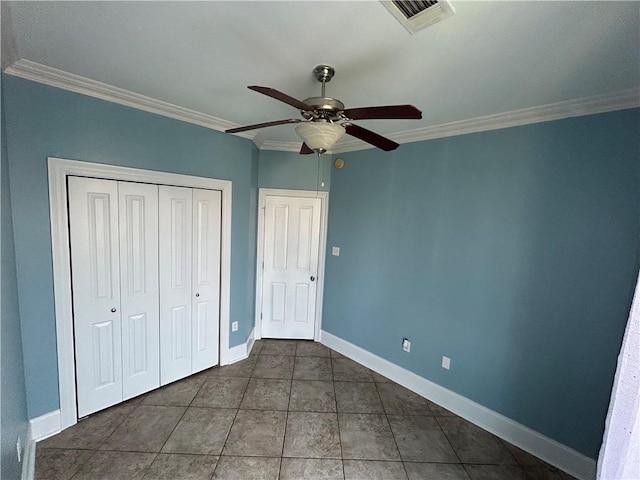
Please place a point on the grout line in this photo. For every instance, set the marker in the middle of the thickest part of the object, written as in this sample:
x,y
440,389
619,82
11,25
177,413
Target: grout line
x,y
124,418
449,441
120,421
335,399
393,435
230,428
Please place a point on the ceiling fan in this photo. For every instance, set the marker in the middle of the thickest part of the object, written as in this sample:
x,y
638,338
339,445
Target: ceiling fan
x,y
325,120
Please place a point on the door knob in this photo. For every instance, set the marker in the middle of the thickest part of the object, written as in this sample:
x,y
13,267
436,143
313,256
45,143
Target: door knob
x,y
113,310
312,278
197,294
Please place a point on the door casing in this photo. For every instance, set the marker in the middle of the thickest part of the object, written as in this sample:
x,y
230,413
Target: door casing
x,y
324,197
58,171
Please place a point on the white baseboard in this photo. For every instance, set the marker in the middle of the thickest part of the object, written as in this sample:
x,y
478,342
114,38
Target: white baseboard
x,y
39,428
239,352
45,426
235,354
549,450
29,458
250,341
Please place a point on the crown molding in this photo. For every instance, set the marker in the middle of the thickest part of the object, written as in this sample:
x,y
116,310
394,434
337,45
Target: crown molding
x,y
75,83
607,102
53,77
280,146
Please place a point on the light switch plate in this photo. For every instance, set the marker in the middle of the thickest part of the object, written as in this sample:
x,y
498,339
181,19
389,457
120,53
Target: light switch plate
x,y
446,362
335,251
234,327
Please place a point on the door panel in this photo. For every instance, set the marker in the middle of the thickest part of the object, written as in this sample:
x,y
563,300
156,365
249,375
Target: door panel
x,y
291,248
138,219
93,225
207,217
175,228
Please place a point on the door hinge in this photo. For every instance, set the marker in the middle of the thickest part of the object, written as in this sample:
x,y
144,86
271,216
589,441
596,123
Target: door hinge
x,y
260,315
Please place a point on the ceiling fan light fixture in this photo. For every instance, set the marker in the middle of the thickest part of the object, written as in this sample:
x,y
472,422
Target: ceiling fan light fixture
x,y
320,136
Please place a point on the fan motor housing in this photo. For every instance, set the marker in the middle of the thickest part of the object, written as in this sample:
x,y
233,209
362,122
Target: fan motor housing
x,y
323,107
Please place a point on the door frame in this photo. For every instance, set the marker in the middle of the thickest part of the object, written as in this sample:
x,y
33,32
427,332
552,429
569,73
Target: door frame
x,y
263,193
58,171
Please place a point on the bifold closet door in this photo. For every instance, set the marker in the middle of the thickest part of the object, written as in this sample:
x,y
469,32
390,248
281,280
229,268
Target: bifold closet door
x,y
114,257
207,217
176,211
189,280
139,288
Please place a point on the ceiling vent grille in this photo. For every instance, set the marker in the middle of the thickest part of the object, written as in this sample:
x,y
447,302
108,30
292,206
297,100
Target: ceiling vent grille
x,y
416,15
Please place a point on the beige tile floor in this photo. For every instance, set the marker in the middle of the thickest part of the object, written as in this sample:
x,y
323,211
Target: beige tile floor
x,y
293,410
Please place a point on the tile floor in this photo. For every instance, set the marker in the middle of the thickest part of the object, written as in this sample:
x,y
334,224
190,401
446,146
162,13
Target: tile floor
x,y
292,410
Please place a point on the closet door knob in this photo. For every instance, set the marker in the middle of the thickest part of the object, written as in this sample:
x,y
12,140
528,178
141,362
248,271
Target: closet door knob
x,y
197,294
113,310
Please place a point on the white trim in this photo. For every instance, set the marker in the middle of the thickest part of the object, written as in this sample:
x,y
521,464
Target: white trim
x,y
242,351
59,169
549,450
280,146
237,353
607,102
322,247
85,86
45,426
29,457
251,339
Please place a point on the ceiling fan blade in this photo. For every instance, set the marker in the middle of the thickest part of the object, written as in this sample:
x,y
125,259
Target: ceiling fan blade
x,y
305,150
283,97
262,125
370,137
408,112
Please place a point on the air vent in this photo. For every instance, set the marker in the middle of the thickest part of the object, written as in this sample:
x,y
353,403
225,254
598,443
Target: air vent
x,y
418,15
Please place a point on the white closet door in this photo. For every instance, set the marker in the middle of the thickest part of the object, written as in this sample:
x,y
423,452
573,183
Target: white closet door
x,y
207,211
175,228
139,296
93,220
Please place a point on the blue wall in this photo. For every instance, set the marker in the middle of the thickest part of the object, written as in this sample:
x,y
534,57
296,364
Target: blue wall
x,y
514,252
44,121
290,170
13,404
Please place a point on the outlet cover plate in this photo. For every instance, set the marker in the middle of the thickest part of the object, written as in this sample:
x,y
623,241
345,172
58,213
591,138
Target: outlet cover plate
x,y
446,362
335,251
234,327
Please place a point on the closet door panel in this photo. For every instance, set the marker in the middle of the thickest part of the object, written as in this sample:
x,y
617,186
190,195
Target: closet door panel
x,y
93,225
207,211
139,287
175,242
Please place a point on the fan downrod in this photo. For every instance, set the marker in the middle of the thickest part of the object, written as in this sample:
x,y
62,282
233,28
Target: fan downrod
x,y
324,108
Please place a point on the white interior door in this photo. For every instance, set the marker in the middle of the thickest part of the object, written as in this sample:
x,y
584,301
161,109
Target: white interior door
x,y
93,223
139,294
176,229
291,247
207,215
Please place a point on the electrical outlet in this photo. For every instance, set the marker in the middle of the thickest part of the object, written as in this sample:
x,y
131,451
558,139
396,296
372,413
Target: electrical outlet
x,y
19,449
406,345
335,251
446,362
234,327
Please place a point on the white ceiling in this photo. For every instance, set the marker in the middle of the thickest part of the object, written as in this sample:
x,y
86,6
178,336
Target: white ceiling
x,y
488,58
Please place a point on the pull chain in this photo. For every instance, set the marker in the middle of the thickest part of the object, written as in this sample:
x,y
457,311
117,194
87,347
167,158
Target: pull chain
x,y
318,179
